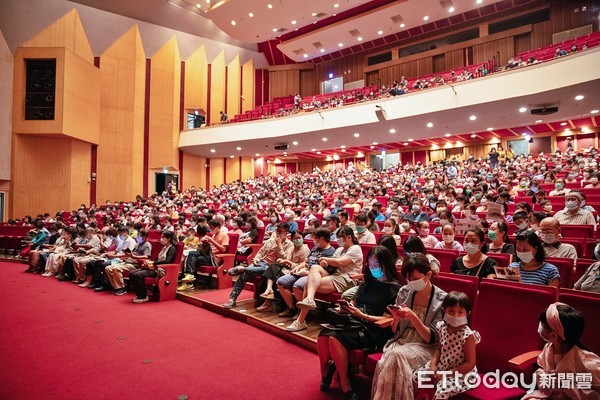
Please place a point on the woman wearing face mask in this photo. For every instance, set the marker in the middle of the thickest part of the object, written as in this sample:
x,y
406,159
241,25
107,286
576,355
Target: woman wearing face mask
x,y
417,311
488,198
390,227
593,181
498,234
530,258
236,225
448,242
559,188
369,304
561,327
429,241
415,245
271,227
474,263
151,268
406,226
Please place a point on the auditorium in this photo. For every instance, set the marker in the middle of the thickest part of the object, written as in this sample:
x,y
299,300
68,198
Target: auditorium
x,y
322,199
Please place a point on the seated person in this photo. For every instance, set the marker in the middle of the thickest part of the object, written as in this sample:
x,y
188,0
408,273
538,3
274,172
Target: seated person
x,y
561,327
416,213
150,268
574,214
298,276
276,247
407,226
390,227
448,242
131,261
83,265
498,234
379,290
332,274
550,235
559,188
363,235
521,220
590,281
413,245
429,241
310,228
474,263
530,261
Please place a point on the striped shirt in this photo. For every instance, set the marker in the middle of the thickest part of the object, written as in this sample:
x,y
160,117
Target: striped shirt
x,y
545,274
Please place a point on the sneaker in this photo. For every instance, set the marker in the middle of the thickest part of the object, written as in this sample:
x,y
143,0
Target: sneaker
x,y
236,270
306,304
290,312
185,286
120,292
268,296
230,304
140,301
296,326
188,278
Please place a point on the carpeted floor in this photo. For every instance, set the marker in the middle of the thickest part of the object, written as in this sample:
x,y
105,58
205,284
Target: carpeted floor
x,y
58,341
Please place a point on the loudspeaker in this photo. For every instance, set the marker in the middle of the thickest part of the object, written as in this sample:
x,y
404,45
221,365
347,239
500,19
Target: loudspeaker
x,y
40,80
281,146
381,114
544,110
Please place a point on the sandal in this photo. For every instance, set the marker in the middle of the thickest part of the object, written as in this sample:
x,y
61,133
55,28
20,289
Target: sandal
x,y
268,295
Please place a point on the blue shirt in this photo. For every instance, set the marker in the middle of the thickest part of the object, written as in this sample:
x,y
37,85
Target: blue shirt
x,y
545,274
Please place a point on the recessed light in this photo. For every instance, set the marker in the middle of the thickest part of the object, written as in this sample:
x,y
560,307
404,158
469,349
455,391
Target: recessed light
x,y
294,22
313,149
230,156
356,134
473,117
212,150
490,129
410,140
269,5
359,38
473,135
372,147
257,154
336,5
198,5
430,124
392,130
479,1
522,109
537,121
305,55
402,25
375,143
563,123
406,144
295,143
451,9
318,152
314,14
380,32
324,139
342,147
594,112
232,22
238,148
447,135
343,150
425,18
322,50
579,97
250,14
274,29
340,44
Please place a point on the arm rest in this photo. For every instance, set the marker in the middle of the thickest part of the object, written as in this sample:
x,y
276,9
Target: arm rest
x,y
255,248
167,285
525,360
385,322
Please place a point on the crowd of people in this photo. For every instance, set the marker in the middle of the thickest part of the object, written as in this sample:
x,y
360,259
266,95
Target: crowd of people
x,y
94,246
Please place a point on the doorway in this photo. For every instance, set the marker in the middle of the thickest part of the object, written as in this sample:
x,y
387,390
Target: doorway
x,y
161,181
520,146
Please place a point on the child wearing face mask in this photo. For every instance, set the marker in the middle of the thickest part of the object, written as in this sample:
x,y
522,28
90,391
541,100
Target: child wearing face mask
x,y
390,227
429,241
561,327
456,348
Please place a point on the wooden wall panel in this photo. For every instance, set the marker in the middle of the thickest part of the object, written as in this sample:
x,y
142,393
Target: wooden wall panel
x,y
248,83
217,172
217,87
350,67
194,171
232,169
120,152
50,175
165,88
284,83
308,82
234,87
247,168
455,59
522,43
66,32
505,48
6,99
196,82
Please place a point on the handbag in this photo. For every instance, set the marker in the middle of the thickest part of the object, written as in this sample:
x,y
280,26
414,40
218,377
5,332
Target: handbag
x,y
340,319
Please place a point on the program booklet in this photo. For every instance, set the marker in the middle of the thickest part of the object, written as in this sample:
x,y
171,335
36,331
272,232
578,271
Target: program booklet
x,y
508,273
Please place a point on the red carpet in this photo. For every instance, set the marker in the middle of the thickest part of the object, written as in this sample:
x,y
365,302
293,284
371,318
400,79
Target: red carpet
x,y
63,342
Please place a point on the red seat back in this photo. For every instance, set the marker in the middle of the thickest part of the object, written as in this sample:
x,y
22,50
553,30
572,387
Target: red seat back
x,y
461,283
577,231
565,269
588,303
445,257
502,259
581,265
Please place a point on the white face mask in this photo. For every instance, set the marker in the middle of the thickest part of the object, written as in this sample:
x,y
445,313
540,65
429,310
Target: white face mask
x,y
448,238
526,257
549,238
571,205
418,284
387,229
471,248
456,321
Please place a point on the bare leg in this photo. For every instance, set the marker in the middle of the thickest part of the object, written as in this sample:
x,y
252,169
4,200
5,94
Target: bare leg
x,y
286,294
339,355
323,352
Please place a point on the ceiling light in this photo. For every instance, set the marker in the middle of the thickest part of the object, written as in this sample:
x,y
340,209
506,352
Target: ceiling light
x,y
198,5
342,147
563,123
473,117
336,5
522,109
359,38
336,157
314,14
594,112
269,5
375,143
324,139
579,97
451,9
238,148
293,22
318,152
356,134
406,144
251,14
212,150
230,156
295,143
392,130
380,32
372,147
430,124
402,25
447,135
305,55
473,135
274,29
313,149
322,50
479,1
537,121
343,150
425,18
257,154
232,22
410,140
207,1
490,129
340,44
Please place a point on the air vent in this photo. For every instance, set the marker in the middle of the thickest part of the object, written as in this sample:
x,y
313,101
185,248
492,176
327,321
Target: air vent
x,y
321,15
397,19
354,32
281,30
318,45
299,52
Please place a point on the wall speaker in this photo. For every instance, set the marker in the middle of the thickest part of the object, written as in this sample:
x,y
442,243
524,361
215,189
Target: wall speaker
x,y
544,110
40,81
281,146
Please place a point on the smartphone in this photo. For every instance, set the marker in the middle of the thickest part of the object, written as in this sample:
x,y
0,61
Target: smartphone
x,y
343,303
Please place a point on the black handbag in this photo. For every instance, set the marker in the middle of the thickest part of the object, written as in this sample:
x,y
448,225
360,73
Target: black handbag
x,y
340,319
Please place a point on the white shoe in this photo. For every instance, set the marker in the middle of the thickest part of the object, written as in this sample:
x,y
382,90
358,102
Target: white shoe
x,y
296,326
139,301
306,304
48,273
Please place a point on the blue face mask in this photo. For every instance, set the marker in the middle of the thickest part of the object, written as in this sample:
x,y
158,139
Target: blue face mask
x,y
122,237
139,239
375,269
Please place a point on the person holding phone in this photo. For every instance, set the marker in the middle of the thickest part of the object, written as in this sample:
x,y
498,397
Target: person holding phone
x,y
417,311
378,291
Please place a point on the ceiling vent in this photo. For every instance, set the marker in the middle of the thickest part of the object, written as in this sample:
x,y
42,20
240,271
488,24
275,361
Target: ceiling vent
x,y
320,15
354,33
397,19
299,52
318,45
